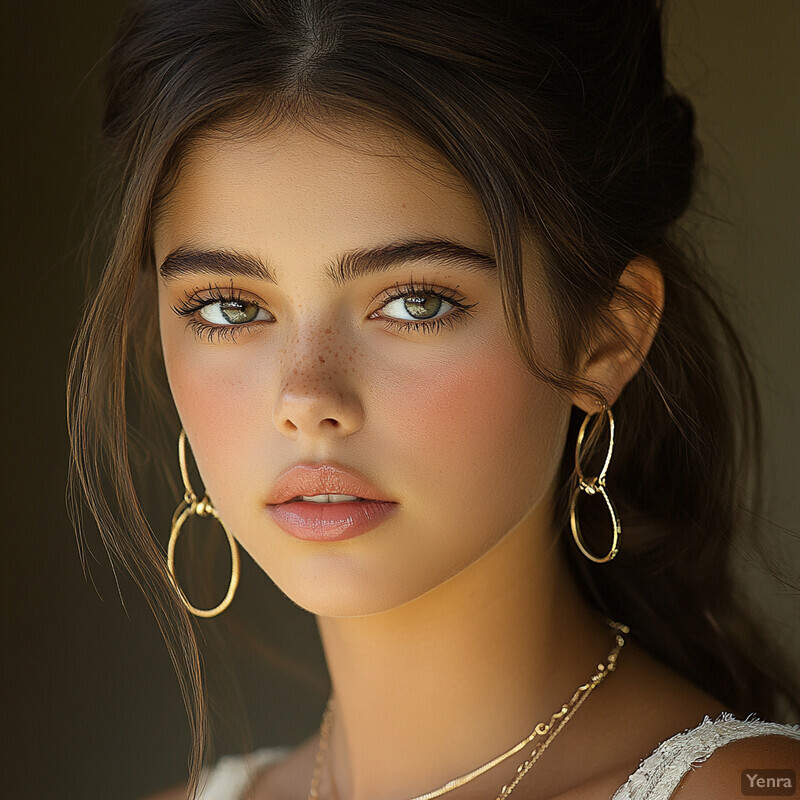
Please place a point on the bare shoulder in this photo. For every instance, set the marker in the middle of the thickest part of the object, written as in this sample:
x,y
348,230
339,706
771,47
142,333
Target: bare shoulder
x,y
719,777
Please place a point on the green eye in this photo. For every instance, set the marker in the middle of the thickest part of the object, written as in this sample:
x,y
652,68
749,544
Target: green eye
x,y
417,307
230,312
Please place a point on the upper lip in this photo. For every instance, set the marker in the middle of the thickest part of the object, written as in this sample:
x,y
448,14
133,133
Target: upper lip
x,y
328,478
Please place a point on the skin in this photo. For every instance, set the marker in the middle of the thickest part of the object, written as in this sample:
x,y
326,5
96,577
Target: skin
x,y
453,627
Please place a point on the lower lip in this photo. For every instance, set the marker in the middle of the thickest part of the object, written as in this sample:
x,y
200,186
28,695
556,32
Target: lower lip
x,y
330,522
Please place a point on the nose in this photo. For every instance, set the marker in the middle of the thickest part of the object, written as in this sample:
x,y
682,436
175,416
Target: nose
x,y
316,397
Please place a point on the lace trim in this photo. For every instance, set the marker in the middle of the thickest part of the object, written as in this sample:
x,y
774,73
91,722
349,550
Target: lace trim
x,y
659,773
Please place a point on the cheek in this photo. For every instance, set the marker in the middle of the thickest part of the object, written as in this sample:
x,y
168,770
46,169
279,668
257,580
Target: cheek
x,y
219,402
475,427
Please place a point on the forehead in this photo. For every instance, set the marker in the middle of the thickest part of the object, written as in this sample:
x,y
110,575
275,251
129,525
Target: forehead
x,y
294,186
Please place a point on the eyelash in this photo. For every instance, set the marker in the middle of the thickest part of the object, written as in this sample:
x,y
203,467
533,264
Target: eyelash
x,y
191,306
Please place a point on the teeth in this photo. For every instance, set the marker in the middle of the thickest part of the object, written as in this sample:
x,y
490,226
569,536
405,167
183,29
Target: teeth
x,y
329,498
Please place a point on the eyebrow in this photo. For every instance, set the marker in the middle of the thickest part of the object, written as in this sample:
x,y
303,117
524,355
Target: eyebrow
x,y
354,264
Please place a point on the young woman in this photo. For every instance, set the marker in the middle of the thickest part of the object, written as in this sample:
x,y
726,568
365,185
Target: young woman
x,y
451,379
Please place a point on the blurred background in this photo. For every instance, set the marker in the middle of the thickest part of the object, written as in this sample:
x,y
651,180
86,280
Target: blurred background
x,y
91,707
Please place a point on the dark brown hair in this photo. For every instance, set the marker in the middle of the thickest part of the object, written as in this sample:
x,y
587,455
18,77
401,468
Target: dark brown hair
x,y
557,114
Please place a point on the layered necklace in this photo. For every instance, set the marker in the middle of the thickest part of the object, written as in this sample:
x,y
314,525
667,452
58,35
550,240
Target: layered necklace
x,y
542,734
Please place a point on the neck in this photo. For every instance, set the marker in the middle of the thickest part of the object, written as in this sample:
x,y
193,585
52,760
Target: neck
x,y
444,683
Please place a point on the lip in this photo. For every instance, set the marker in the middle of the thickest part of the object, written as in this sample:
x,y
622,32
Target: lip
x,y
326,522
328,478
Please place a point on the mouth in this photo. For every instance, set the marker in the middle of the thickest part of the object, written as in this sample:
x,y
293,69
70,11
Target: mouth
x,y
330,518
328,498
327,502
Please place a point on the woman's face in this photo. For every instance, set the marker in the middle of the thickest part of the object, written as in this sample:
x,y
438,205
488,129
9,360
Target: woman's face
x,y
443,418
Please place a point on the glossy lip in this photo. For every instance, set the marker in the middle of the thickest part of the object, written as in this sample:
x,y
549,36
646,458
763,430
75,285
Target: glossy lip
x,y
326,522
327,478
330,522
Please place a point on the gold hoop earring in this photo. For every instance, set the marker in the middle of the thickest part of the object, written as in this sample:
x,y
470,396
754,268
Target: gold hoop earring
x,y
594,486
203,508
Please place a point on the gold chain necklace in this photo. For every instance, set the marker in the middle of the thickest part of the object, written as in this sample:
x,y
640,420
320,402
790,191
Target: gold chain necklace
x,y
541,730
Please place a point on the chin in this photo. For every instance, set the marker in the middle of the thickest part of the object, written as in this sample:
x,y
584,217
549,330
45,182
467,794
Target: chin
x,y
348,584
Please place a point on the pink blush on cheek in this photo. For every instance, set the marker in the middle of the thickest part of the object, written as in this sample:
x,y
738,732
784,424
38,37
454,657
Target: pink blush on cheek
x,y
473,423
217,409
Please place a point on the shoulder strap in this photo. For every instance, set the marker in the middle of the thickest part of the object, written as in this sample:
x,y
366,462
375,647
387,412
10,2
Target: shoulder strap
x,y
660,773
231,776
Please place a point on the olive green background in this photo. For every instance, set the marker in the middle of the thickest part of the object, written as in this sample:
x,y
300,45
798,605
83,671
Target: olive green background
x,y
90,704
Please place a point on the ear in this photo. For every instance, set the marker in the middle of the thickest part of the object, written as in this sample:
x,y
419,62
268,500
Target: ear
x,y
625,332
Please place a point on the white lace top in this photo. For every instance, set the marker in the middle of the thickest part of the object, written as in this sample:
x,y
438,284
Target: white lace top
x,y
656,778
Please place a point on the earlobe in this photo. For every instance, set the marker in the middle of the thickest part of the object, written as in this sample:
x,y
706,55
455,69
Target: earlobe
x,y
626,331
